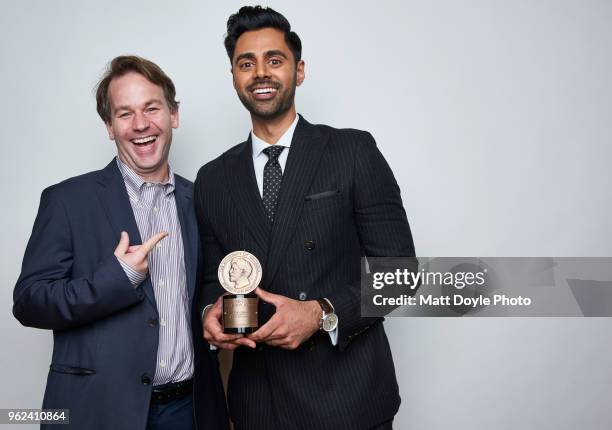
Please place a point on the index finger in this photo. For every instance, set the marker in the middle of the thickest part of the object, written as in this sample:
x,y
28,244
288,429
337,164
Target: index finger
x,y
150,244
263,332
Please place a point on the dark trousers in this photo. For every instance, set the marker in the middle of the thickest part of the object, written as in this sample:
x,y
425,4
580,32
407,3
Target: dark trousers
x,y
175,415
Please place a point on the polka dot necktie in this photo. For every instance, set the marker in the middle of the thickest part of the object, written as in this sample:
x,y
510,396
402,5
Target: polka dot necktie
x,y
272,180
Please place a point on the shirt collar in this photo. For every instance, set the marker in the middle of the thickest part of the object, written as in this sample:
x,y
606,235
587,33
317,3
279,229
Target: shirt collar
x,y
285,140
134,183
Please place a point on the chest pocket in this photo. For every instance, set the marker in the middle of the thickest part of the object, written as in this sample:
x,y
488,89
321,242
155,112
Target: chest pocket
x,y
322,200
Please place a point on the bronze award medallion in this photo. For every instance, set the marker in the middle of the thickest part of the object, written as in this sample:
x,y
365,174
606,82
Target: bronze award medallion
x,y
240,273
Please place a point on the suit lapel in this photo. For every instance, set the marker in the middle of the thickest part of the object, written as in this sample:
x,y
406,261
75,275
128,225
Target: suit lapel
x,y
241,180
189,233
307,146
116,203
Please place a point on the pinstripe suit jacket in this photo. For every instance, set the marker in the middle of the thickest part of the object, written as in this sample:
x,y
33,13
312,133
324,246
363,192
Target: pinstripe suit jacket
x,y
338,201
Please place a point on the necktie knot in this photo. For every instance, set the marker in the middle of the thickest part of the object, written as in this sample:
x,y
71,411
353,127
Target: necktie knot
x,y
273,152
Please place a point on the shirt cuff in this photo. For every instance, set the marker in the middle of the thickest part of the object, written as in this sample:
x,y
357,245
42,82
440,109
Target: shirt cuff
x,y
333,336
136,278
205,309
212,347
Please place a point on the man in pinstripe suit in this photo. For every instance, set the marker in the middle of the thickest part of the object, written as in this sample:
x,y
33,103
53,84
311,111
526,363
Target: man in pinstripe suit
x,y
309,201
123,355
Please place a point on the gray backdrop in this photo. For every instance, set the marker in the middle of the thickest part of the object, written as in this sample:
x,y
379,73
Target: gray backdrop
x,y
494,115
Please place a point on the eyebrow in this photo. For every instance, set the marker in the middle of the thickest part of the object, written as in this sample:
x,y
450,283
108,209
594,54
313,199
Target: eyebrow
x,y
267,54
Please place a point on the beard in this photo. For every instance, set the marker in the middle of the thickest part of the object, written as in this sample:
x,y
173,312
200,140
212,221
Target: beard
x,y
269,109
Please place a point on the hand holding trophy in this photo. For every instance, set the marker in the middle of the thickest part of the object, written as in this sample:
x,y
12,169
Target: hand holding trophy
x,y
239,274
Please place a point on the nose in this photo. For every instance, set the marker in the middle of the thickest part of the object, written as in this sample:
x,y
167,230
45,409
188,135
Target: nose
x,y
262,69
140,122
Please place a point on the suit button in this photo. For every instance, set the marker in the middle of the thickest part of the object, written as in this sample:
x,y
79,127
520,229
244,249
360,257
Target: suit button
x,y
146,379
303,296
152,322
309,245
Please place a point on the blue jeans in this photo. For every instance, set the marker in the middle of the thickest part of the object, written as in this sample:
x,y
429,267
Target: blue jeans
x,y
176,415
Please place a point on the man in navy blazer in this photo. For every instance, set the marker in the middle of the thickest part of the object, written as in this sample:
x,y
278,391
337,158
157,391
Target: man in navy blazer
x,y
111,268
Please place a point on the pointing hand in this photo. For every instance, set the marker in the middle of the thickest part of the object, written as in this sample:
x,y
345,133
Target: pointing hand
x,y
136,256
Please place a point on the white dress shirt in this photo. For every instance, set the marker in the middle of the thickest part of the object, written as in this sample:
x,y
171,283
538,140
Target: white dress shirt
x,y
260,159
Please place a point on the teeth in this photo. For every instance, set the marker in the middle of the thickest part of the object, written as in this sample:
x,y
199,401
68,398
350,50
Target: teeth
x,y
144,139
263,90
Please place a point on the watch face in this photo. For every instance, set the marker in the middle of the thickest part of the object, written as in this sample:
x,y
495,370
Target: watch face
x,y
330,322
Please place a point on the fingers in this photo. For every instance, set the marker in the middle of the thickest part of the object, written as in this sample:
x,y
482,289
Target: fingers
x,y
245,341
269,297
123,245
213,332
150,244
284,342
266,331
233,341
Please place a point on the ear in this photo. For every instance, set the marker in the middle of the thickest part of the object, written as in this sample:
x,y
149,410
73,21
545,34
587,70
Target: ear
x,y
109,129
299,73
174,117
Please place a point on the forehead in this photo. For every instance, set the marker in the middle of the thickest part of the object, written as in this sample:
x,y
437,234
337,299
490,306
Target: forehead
x,y
261,41
133,88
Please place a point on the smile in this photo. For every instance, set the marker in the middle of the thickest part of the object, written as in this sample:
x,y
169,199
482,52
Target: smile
x,y
264,90
143,141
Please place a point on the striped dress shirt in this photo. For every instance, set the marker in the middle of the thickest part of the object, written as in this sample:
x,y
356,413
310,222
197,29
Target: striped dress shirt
x,y
155,210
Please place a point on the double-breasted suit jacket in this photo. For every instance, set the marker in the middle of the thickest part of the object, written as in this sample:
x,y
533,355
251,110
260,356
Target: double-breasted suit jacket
x,y
338,201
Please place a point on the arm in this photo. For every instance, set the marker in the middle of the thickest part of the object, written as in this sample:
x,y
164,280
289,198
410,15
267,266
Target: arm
x,y
209,303
383,231
212,253
47,296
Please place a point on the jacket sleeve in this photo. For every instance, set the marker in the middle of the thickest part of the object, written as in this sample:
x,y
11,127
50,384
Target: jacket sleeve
x,y
46,295
382,226
212,253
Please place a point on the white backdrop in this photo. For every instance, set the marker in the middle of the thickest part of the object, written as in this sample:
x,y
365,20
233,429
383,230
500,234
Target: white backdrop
x,y
494,115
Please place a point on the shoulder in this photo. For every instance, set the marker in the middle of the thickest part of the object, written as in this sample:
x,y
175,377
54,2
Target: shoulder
x,y
74,187
70,193
214,168
183,182
347,138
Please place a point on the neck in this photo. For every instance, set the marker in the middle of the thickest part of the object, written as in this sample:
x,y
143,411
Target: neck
x,y
159,174
271,130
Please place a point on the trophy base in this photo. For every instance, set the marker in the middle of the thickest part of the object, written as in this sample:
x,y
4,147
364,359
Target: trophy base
x,y
240,314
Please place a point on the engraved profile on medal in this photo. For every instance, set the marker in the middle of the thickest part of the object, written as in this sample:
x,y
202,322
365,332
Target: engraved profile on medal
x,y
239,272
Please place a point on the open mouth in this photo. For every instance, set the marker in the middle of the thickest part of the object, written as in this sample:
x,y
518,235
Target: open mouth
x,y
264,93
144,141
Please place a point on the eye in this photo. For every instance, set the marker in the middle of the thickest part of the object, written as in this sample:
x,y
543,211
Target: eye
x,y
275,62
124,115
152,109
246,65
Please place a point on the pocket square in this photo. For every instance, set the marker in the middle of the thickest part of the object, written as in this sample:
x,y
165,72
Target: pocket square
x,y
322,195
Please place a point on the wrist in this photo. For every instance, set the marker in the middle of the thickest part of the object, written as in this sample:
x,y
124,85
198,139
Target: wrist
x,y
315,314
328,320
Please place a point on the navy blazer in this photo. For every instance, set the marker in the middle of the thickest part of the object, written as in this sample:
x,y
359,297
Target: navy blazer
x,y
105,332
338,201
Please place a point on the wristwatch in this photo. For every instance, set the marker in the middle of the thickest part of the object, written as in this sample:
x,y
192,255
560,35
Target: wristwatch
x,y
329,320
